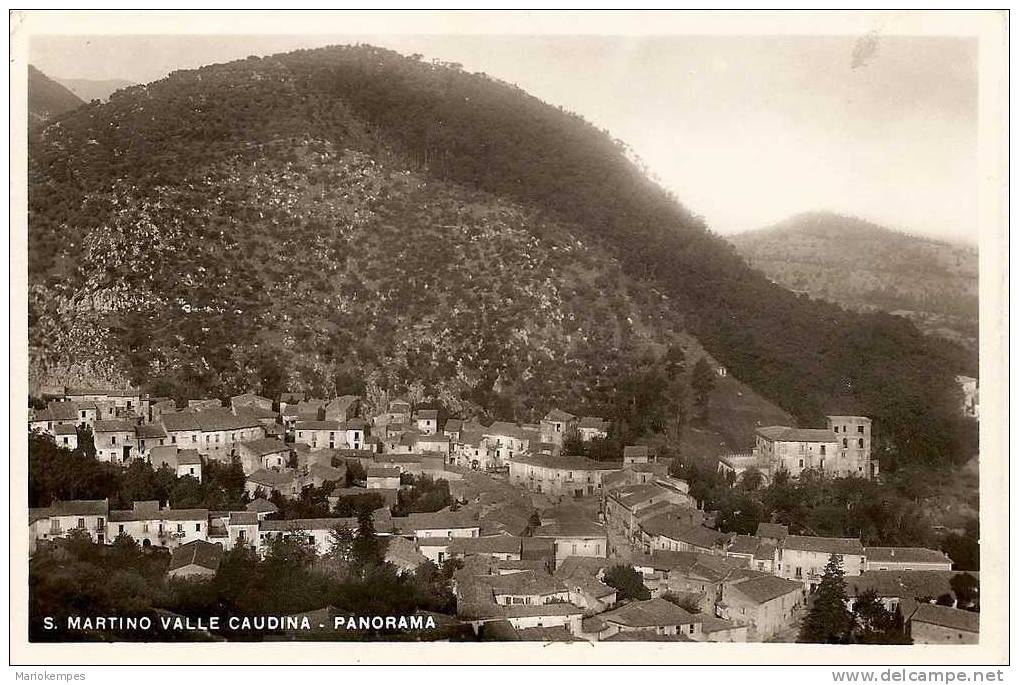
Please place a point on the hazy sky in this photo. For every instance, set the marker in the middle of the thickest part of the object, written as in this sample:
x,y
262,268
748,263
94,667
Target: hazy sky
x,y
746,131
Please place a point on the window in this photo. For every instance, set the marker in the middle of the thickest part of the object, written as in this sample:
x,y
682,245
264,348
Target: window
x,y
198,528
801,463
173,439
861,443
65,441
835,428
180,527
845,442
311,539
113,439
120,528
81,523
822,450
859,429
145,527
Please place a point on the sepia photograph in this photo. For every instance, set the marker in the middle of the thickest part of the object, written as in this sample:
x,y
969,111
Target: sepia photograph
x,y
441,331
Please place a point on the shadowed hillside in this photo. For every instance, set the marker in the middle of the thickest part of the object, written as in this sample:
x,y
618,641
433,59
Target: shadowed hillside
x,y
869,268
347,215
47,98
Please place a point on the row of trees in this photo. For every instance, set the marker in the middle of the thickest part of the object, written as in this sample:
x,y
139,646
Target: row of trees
x,y
887,512
74,576
55,473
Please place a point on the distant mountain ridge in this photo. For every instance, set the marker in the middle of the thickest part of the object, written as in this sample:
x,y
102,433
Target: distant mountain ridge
x,y
47,98
867,267
94,89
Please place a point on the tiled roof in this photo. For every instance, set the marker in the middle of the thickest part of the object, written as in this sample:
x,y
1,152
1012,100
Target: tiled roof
x,y
594,422
249,397
767,587
188,457
558,415
198,553
426,414
635,451
65,430
629,495
649,613
146,514
113,426
506,429
646,636
571,463
947,617
443,519
787,434
222,419
79,507
571,526
150,430
179,421
261,506
698,536
775,531
744,544
906,555
902,584
272,478
524,583
383,472
502,544
808,543
318,425
243,518
64,411
307,524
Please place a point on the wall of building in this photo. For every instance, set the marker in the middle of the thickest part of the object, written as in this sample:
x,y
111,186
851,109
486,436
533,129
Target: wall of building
x,y
930,634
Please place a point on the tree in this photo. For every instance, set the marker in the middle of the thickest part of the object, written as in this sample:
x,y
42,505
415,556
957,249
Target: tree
x,y
86,441
533,523
874,624
355,473
367,551
752,479
573,443
829,621
703,382
966,589
341,539
628,583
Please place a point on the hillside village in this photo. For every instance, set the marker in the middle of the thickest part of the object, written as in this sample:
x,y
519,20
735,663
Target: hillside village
x,y
538,543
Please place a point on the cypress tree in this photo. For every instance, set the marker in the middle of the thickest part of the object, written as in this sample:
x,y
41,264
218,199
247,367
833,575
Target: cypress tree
x,y
829,621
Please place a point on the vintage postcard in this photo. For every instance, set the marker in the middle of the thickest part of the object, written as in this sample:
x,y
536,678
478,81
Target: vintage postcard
x,y
507,337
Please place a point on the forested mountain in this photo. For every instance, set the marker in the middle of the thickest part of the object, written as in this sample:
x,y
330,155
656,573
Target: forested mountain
x,y
93,89
47,98
325,217
870,268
